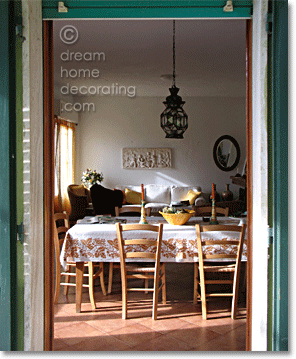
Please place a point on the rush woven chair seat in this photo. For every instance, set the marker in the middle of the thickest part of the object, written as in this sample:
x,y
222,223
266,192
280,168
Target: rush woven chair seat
x,y
118,211
201,211
142,243
224,266
94,270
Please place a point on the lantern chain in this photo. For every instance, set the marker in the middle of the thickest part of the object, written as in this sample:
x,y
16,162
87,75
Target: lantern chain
x,y
174,53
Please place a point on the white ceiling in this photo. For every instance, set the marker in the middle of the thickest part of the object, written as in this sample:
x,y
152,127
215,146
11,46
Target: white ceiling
x,y
210,55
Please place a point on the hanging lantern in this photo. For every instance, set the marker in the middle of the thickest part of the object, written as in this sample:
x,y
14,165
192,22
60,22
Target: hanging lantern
x,y
174,120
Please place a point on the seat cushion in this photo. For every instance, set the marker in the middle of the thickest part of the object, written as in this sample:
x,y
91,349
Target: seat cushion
x,y
157,194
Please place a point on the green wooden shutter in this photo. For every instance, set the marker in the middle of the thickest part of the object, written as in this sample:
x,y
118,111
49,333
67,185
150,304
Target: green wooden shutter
x,y
19,175
7,179
278,273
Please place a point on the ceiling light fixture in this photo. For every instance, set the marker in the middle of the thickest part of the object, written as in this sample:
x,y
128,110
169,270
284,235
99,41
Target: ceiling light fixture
x,y
174,120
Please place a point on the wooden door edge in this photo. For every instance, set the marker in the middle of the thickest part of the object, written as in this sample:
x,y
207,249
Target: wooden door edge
x,y
48,183
249,181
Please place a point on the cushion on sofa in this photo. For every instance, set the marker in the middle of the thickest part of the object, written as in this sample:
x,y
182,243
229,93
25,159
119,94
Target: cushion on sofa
x,y
132,197
179,193
191,196
157,193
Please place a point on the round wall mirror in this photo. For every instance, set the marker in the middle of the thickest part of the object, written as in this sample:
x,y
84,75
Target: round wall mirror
x,y
226,153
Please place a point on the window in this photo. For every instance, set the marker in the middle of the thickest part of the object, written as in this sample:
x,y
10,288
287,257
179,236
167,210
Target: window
x,y
64,154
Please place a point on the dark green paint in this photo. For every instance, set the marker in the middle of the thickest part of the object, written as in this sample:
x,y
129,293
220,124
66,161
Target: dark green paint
x,y
146,9
279,118
8,318
19,179
270,187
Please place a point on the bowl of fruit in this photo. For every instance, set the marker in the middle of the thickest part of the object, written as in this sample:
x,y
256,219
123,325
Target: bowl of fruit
x,y
175,216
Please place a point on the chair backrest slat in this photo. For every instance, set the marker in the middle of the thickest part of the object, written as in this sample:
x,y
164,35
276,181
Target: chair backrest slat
x,y
128,209
62,229
148,242
144,255
221,242
221,228
220,256
208,210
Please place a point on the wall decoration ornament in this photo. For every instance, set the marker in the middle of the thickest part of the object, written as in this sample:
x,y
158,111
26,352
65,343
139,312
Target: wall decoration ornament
x,y
146,158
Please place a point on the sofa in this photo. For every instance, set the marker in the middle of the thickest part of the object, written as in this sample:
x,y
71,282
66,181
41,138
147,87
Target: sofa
x,y
159,196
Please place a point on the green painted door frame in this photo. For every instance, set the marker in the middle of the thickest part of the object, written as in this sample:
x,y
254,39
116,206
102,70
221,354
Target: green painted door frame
x,y
84,9
278,159
19,174
8,302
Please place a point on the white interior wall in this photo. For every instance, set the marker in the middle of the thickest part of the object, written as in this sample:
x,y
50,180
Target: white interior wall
x,y
135,122
58,107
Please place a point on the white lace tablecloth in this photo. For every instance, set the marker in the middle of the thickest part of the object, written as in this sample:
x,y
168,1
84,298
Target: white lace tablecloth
x,y
98,242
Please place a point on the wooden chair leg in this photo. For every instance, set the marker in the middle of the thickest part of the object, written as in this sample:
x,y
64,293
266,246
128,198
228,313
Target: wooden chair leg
x,y
79,282
124,299
91,284
235,295
195,285
67,280
163,280
110,277
102,278
155,300
203,296
57,285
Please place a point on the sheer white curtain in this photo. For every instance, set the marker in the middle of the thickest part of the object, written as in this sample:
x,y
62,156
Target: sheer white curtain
x,y
64,162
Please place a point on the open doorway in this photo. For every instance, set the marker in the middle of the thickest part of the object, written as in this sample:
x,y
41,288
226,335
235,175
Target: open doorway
x,y
137,112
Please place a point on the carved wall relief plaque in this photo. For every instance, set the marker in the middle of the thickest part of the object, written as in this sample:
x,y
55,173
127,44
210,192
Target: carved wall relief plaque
x,y
146,158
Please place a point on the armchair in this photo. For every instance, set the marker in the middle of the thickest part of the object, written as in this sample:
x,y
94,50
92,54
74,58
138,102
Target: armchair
x,y
80,199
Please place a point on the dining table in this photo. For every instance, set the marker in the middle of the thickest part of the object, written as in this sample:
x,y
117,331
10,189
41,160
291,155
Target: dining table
x,y
88,241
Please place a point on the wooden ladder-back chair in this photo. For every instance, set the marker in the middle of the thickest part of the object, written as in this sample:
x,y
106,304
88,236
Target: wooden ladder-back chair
x,y
200,268
59,237
151,251
118,211
129,209
200,211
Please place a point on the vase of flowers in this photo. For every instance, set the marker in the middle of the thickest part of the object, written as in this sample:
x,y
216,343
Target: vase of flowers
x,y
91,177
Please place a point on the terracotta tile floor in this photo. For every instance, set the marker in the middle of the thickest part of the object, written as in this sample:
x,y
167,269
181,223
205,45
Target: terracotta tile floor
x,y
179,326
